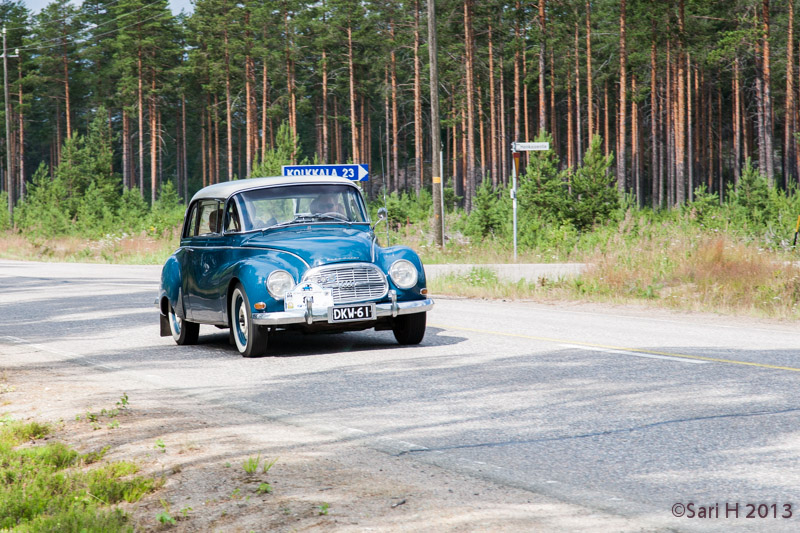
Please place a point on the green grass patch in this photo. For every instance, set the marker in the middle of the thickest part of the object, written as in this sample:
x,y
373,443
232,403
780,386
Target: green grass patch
x,y
50,487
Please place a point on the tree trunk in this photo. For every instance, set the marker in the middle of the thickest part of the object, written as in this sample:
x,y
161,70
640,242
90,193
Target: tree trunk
x,y
525,109
503,147
554,131
153,140
141,126
387,185
185,158
656,178
589,97
126,178
351,67
492,113
606,129
680,115
66,83
737,123
216,139
623,102
228,112
761,113
264,100
338,132
570,133
395,177
720,158
203,148
21,139
325,141
249,79
578,146
670,127
790,124
770,166
689,129
482,172
542,48
470,133
417,103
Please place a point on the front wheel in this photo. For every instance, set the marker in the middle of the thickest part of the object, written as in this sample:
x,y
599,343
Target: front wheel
x,y
409,329
250,339
183,331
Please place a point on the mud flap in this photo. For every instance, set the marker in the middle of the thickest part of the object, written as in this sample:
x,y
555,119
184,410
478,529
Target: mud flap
x,y
165,331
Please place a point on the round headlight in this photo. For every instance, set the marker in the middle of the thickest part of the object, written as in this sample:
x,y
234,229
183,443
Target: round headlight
x,y
279,283
403,273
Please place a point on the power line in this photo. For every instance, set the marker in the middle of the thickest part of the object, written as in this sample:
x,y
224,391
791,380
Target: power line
x,y
42,44
57,20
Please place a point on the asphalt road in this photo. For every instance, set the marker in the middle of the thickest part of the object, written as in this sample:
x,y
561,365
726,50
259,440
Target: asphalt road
x,y
624,410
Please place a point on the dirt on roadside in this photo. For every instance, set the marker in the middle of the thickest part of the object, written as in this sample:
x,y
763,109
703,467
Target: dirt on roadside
x,y
316,484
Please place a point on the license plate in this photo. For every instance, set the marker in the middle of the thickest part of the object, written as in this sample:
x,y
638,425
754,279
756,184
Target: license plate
x,y
351,313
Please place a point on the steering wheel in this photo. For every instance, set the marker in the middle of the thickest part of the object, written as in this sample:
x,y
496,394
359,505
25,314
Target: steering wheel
x,y
333,214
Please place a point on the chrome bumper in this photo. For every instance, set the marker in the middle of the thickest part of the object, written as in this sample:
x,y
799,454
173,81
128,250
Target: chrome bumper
x,y
309,316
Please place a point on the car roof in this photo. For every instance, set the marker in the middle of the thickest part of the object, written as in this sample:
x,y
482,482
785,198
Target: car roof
x,y
228,188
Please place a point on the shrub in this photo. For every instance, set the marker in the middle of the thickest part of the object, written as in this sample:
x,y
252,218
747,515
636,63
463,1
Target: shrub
x,y
44,212
168,210
593,197
5,219
491,213
132,211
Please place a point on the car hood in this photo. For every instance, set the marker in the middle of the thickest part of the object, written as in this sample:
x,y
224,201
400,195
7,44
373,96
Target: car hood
x,y
318,245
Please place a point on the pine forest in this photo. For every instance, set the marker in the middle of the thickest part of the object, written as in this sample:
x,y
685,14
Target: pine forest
x,y
683,95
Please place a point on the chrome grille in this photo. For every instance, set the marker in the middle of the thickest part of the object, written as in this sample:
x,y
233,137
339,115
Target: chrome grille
x,y
350,282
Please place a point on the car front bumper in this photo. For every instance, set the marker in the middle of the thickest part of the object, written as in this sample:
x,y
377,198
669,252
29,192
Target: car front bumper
x,y
309,316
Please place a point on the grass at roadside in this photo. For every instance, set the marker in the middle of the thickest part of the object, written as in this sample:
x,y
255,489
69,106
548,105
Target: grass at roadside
x,y
142,249
696,273
47,486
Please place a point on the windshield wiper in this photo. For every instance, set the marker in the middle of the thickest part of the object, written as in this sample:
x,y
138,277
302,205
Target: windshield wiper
x,y
299,218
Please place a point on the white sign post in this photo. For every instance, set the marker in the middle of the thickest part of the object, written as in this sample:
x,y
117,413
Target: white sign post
x,y
516,148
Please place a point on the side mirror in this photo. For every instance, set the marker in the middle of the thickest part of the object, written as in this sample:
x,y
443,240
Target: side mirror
x,y
383,215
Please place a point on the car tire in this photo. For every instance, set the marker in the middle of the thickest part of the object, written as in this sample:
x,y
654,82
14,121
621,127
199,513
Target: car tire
x,y
250,339
183,331
409,329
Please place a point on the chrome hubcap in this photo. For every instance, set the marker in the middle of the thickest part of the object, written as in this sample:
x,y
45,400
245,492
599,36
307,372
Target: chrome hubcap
x,y
242,321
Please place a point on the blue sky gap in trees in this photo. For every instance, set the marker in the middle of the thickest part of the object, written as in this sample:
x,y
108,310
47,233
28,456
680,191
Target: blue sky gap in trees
x,y
175,5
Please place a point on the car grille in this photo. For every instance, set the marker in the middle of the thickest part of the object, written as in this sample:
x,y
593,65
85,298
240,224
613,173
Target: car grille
x,y
350,282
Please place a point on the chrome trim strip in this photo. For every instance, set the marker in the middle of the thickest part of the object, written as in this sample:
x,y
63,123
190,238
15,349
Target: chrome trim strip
x,y
267,248
298,317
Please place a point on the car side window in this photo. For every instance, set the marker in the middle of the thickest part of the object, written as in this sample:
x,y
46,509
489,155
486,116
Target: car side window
x,y
209,217
190,229
232,221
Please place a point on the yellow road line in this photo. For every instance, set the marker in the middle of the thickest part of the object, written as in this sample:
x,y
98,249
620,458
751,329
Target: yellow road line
x,y
593,345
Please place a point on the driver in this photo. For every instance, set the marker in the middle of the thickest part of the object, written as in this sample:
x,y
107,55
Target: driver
x,y
327,203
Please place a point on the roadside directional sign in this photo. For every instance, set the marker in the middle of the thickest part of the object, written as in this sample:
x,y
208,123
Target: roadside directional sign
x,y
351,172
530,147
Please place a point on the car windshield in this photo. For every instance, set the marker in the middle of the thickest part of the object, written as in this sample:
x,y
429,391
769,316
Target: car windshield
x,y
275,206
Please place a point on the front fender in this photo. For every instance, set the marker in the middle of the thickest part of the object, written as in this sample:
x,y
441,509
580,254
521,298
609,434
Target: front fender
x,y
387,256
253,272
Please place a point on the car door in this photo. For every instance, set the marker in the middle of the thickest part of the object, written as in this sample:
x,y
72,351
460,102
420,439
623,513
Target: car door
x,y
203,265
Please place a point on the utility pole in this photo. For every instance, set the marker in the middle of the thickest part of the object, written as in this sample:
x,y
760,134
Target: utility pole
x,y
9,179
436,168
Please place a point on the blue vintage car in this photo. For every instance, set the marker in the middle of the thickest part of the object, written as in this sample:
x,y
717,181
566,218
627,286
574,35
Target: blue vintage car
x,y
263,254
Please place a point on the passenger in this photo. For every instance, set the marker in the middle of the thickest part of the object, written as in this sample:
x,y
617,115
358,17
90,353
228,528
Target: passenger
x,y
327,203
215,221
